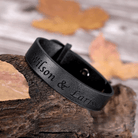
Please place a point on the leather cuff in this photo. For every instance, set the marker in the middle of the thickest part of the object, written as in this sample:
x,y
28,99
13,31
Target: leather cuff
x,y
69,74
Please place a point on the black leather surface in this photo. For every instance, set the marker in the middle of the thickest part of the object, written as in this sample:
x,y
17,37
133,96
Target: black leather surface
x,y
61,69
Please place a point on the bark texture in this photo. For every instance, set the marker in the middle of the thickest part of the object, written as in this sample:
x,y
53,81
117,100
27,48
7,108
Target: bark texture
x,y
47,114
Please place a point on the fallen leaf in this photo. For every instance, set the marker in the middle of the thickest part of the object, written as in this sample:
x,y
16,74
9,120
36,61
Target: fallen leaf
x,y
56,25
66,17
59,8
107,60
13,85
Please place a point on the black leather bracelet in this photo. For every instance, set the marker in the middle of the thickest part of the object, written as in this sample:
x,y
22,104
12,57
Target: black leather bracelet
x,y
69,74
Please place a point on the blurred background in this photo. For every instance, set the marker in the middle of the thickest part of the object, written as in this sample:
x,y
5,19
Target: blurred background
x,y
17,33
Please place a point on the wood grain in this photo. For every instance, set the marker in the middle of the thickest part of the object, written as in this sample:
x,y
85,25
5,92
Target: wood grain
x,y
48,112
17,34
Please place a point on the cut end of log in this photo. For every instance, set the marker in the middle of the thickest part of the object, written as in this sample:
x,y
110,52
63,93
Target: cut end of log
x,y
48,114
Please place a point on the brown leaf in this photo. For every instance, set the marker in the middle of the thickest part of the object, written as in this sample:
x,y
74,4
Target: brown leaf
x,y
107,60
59,8
13,85
66,17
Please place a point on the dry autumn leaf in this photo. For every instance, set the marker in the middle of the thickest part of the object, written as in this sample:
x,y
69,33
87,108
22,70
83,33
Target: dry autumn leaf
x,y
107,60
13,85
66,17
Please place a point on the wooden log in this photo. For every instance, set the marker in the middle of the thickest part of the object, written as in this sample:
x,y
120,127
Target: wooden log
x,y
48,114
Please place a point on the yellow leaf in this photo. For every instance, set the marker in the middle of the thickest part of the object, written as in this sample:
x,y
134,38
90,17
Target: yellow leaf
x,y
13,85
64,16
107,60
